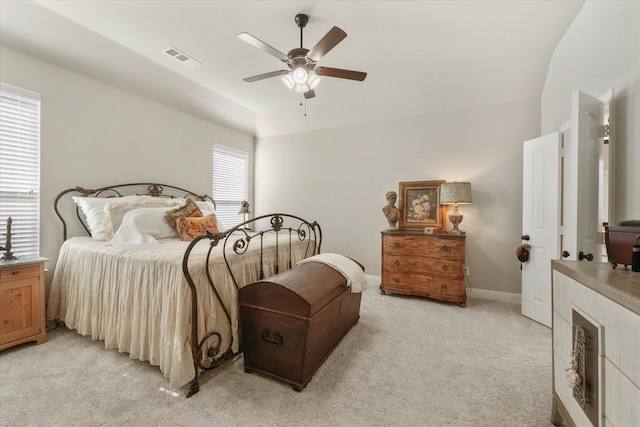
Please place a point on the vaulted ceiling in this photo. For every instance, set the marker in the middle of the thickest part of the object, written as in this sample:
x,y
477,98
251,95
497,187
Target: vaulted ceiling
x,y
421,56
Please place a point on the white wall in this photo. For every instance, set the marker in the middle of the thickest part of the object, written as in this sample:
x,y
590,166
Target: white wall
x,y
339,177
601,50
95,135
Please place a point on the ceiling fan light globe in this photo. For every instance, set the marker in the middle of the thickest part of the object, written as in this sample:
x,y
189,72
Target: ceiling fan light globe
x,y
288,81
300,76
314,81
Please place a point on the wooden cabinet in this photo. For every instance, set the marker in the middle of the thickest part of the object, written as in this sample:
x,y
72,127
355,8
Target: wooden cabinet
x,y
427,265
22,302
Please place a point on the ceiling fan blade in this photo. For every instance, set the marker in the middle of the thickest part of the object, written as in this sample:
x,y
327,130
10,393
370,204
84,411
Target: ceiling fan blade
x,y
309,94
328,42
341,74
263,46
265,76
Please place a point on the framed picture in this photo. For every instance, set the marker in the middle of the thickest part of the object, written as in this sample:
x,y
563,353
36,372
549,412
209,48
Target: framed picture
x,y
420,205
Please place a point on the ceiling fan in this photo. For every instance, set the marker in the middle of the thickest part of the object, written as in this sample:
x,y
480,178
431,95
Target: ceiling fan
x,y
303,74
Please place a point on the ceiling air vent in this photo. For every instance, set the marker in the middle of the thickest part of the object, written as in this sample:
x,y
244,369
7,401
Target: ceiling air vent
x,y
182,57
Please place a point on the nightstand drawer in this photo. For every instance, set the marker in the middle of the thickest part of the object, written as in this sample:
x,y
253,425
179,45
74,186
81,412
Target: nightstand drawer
x,y
18,271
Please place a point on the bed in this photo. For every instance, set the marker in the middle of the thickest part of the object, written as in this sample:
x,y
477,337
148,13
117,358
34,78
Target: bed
x,y
162,294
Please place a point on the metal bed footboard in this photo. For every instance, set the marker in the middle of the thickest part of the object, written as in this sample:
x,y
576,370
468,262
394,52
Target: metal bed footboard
x,y
238,240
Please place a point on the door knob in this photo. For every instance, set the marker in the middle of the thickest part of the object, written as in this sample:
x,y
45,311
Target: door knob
x,y
524,237
582,255
565,254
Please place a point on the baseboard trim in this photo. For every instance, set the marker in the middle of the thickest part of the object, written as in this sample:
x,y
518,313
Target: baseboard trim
x,y
500,296
506,297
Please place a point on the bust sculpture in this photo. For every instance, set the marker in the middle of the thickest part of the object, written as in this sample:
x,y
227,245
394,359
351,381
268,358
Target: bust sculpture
x,y
390,211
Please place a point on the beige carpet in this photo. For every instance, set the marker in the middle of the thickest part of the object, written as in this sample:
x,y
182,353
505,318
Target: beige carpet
x,y
408,362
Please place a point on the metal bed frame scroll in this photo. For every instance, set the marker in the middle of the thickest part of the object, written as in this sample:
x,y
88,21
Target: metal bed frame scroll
x,y
208,353
237,240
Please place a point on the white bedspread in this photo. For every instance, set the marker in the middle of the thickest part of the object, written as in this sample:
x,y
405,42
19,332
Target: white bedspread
x,y
356,280
137,300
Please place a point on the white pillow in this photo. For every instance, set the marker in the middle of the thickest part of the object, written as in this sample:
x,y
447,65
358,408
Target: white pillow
x,y
93,209
115,212
143,226
205,206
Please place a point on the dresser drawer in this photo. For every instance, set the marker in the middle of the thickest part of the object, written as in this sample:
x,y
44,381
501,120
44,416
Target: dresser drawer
x,y
447,248
422,265
421,246
428,286
404,245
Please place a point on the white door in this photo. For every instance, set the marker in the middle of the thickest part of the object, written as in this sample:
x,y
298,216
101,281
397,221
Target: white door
x,y
582,224
540,223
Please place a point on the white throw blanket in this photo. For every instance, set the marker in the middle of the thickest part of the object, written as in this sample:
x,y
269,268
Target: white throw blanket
x,y
356,280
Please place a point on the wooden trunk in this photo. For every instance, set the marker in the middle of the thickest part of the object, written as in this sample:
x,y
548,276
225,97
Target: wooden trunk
x,y
292,321
620,240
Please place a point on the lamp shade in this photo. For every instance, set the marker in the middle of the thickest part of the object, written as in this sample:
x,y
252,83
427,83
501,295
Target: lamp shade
x,y
244,208
455,192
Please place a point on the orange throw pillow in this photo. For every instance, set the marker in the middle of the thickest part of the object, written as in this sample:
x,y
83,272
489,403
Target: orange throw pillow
x,y
191,227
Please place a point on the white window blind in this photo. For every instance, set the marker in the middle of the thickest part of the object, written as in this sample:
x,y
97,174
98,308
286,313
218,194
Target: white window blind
x,y
20,169
230,177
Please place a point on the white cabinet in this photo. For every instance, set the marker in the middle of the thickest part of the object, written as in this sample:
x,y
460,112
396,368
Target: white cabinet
x,y
610,300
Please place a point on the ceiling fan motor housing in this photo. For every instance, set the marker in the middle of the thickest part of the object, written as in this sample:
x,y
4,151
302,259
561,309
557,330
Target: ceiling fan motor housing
x,y
298,58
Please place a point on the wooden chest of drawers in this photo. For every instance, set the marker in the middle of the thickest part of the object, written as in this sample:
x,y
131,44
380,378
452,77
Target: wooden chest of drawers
x,y
22,302
427,265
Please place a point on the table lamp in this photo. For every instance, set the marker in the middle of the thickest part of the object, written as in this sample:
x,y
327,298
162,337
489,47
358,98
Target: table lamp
x,y
244,210
455,193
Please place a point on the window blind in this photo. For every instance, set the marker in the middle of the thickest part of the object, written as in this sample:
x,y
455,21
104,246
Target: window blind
x,y
20,169
230,178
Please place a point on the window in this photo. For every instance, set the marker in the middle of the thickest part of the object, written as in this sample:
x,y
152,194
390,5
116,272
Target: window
x,y
20,169
230,177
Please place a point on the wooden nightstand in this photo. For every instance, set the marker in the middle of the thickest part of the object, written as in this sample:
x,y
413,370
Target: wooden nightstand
x,y
427,265
22,301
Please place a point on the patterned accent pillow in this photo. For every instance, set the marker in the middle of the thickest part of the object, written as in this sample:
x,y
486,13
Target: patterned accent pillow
x,y
189,209
191,227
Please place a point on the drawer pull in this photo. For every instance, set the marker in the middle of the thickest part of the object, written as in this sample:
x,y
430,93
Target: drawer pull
x,y
396,281
397,245
275,340
444,287
397,263
15,272
444,248
445,267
